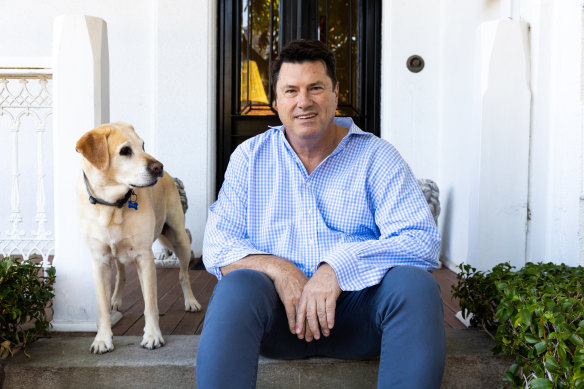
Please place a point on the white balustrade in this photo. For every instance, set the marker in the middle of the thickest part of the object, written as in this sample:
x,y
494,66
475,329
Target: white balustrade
x,y
25,106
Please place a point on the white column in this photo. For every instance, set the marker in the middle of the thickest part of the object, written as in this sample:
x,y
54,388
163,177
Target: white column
x,y
498,216
81,102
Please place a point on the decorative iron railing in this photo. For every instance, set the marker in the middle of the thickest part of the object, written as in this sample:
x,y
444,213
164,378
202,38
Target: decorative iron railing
x,y
25,147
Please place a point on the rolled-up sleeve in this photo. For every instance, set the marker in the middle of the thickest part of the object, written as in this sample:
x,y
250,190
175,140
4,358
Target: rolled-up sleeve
x,y
408,234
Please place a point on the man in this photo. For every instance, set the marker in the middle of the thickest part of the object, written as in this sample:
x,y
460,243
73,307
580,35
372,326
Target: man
x,y
322,241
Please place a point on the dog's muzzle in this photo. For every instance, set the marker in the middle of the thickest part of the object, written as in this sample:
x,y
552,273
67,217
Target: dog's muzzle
x,y
156,169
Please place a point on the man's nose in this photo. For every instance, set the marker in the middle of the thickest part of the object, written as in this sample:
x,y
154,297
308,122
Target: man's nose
x,y
304,99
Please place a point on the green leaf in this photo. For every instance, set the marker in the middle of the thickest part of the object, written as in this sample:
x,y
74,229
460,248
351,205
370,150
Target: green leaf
x,y
540,347
531,339
561,350
513,369
541,383
576,340
551,364
525,316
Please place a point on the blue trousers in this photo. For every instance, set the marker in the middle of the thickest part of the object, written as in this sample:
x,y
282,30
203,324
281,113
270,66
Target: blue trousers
x,y
401,320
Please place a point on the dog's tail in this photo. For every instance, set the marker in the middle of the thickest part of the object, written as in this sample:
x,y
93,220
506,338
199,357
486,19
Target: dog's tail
x,y
182,193
195,263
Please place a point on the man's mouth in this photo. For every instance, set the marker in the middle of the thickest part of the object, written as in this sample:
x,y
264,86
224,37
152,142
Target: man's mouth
x,y
306,116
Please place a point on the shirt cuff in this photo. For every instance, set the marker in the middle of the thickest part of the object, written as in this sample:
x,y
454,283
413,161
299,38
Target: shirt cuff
x,y
344,263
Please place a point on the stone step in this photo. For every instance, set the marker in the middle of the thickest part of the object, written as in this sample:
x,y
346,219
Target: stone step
x,y
65,362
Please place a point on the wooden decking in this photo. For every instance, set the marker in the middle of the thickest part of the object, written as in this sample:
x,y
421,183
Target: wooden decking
x,y
175,321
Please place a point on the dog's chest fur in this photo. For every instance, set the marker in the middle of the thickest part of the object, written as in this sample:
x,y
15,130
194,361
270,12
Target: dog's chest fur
x,y
108,224
110,217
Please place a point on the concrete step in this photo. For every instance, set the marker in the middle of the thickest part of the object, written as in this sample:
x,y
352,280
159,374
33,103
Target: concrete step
x,y
65,362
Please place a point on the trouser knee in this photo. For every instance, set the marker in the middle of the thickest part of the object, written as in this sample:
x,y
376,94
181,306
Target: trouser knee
x,y
242,294
411,289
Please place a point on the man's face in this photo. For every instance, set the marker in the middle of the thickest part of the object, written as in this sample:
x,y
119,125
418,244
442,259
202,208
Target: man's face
x,y
306,100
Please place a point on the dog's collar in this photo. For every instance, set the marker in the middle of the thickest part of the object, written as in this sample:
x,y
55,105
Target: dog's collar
x,y
94,200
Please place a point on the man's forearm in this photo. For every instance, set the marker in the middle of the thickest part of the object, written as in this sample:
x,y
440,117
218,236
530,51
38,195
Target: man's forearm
x,y
270,265
288,280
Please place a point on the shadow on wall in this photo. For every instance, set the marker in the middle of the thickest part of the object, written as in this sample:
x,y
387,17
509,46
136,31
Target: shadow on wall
x,y
446,227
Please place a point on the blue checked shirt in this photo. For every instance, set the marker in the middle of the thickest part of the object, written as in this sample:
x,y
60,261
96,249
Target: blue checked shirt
x,y
361,210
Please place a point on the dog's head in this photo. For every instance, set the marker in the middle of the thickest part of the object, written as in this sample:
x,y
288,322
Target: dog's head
x,y
117,153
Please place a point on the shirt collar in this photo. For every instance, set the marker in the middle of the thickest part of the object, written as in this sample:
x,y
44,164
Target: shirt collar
x,y
346,122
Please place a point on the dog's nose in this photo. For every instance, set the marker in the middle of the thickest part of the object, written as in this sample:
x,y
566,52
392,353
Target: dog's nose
x,y
156,168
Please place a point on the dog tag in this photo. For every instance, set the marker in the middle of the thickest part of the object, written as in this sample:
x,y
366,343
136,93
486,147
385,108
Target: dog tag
x,y
133,205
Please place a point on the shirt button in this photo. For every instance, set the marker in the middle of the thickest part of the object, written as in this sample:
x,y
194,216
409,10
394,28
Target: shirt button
x,y
311,241
308,184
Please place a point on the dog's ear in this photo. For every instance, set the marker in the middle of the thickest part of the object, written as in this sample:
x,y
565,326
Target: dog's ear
x,y
93,147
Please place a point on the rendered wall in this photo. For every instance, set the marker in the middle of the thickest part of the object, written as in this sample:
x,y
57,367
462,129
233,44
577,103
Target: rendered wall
x,y
162,74
162,78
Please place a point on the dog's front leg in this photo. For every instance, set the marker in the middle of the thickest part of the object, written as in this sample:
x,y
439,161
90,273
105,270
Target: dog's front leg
x,y
103,341
116,302
147,273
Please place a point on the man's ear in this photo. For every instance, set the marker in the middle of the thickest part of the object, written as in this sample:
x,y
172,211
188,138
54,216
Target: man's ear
x,y
93,146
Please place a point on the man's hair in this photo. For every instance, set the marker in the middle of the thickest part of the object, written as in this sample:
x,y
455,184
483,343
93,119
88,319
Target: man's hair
x,y
303,50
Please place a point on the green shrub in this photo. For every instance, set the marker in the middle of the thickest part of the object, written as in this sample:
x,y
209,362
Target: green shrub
x,y
25,293
534,315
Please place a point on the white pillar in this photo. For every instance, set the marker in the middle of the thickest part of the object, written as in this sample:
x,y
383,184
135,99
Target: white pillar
x,y
81,102
498,217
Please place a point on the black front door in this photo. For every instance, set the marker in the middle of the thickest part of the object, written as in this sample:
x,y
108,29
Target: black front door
x,y
251,33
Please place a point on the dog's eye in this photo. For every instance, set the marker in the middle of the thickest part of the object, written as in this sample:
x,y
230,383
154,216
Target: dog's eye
x,y
126,151
143,149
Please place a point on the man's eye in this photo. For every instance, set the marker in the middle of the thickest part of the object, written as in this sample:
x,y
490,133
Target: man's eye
x,y
126,151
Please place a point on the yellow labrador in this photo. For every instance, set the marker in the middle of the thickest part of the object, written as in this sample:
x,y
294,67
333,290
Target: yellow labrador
x,y
125,203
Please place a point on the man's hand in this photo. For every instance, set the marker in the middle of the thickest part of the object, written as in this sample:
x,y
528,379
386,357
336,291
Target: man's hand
x,y
317,304
289,280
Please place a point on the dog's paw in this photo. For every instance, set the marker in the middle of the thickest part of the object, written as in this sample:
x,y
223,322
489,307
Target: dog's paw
x,y
192,305
152,341
100,346
116,304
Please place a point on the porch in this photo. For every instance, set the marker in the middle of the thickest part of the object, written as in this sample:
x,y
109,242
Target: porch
x,y
63,359
175,321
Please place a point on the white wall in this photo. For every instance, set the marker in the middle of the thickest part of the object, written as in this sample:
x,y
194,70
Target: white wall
x,y
162,72
458,20
431,119
161,77
410,109
428,115
556,170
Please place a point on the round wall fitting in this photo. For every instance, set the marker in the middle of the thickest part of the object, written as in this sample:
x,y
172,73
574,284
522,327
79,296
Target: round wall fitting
x,y
415,63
